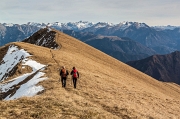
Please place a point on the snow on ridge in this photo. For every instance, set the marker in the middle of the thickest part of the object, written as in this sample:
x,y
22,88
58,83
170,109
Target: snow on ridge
x,y
10,60
80,25
84,25
14,56
124,25
71,25
9,24
33,64
28,89
75,25
55,24
103,24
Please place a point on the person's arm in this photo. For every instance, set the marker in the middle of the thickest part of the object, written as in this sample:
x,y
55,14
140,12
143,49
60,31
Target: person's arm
x,y
67,73
78,74
60,72
72,72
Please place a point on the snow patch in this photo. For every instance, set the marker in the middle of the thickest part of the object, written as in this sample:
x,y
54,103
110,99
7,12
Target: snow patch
x,y
9,24
29,88
124,25
10,60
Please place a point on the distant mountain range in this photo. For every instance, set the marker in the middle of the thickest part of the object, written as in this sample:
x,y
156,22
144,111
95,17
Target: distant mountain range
x,y
123,49
141,40
162,41
15,32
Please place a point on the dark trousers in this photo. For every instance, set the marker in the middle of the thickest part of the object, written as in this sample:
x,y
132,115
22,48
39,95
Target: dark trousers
x,y
63,80
74,82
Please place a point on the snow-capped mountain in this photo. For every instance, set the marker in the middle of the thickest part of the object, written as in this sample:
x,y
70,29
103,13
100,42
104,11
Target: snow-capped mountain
x,y
80,25
110,26
161,39
76,26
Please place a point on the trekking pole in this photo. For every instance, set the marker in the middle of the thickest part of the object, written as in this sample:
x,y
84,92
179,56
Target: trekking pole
x,y
60,75
71,80
78,80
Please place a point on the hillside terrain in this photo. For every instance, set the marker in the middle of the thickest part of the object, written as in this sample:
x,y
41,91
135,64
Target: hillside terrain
x,y
161,67
106,89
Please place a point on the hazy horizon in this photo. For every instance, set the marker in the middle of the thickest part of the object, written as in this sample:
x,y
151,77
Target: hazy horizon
x,y
153,13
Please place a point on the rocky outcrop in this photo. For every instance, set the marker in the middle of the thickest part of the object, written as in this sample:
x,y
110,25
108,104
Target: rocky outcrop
x,y
44,37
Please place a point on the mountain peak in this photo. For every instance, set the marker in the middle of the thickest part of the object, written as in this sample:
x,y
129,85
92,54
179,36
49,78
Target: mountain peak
x,y
44,37
124,25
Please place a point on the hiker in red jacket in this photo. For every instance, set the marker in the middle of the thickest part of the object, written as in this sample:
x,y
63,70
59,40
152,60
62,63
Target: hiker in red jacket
x,y
64,73
75,75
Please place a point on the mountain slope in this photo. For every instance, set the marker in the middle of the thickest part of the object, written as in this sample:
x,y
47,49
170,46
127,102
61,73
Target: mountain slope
x,y
107,88
123,49
161,67
14,32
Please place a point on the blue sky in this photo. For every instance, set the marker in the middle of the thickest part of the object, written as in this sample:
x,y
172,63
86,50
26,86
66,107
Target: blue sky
x,y
151,12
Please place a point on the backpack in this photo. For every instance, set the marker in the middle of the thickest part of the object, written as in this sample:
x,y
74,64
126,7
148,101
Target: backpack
x,y
75,75
63,73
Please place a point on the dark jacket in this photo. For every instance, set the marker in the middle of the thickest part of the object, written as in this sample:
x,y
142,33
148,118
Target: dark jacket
x,y
61,73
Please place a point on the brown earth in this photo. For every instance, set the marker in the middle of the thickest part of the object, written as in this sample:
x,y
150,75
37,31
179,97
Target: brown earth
x,y
106,89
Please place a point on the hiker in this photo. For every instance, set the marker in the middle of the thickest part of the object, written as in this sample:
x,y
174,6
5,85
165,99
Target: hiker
x,y
75,75
64,73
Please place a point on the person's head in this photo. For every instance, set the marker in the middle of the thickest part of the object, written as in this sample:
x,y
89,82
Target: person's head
x,y
74,68
63,67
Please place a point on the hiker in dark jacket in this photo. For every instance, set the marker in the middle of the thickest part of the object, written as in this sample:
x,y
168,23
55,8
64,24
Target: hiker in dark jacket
x,y
64,73
75,75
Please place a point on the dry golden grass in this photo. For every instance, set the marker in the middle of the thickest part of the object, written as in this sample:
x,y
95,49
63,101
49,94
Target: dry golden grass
x,y
107,88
